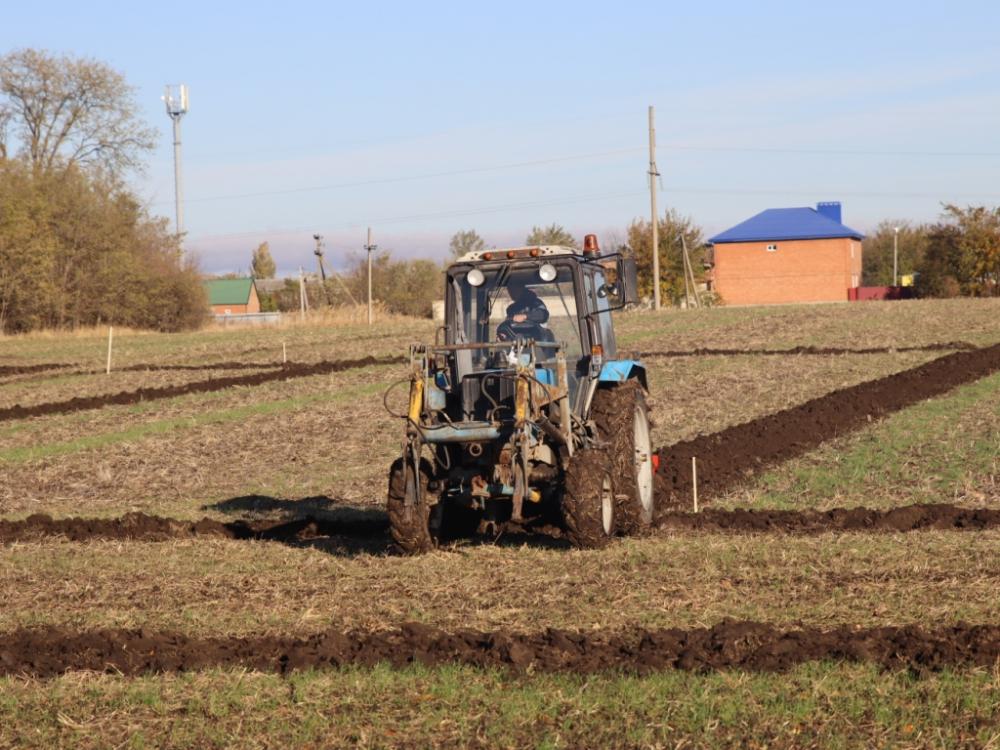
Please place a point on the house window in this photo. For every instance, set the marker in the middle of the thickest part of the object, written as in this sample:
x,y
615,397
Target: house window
x,y
772,248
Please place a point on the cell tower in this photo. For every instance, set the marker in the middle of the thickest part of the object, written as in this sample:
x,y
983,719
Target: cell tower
x,y
176,101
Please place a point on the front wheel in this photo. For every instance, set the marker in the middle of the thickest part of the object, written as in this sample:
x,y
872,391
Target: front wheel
x,y
622,419
588,499
410,514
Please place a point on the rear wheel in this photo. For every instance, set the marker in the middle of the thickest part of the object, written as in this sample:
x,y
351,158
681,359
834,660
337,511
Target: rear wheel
x,y
588,499
622,419
410,514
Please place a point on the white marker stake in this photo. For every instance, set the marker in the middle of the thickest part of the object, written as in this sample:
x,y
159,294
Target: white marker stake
x,y
284,353
110,334
694,481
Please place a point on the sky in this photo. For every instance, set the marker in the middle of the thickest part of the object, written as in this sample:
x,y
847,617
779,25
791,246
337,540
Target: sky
x,y
421,119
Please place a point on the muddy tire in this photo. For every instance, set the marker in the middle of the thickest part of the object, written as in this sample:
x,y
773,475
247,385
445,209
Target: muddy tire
x,y
410,524
622,419
588,501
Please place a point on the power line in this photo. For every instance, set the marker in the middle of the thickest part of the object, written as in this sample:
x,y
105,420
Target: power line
x,y
438,215
581,157
828,191
607,196
831,152
410,178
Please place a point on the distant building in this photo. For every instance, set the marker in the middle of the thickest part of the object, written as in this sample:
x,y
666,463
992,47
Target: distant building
x,y
232,296
785,255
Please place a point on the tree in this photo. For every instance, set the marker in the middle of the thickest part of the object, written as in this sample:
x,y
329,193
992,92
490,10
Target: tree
x,y
76,249
405,287
877,251
466,241
69,111
671,227
262,264
941,267
979,246
553,234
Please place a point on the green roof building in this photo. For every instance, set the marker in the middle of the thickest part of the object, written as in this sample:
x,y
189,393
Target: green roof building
x,y
232,296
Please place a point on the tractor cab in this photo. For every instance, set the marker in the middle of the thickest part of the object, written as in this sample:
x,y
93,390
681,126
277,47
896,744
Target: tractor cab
x,y
551,302
518,408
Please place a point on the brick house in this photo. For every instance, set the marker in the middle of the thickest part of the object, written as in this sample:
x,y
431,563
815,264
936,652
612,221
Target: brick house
x,y
232,296
787,255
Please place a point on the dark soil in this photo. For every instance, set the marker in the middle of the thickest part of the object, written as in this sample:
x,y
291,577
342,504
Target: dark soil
x,y
905,518
142,527
150,367
729,457
29,369
374,526
285,372
709,352
728,645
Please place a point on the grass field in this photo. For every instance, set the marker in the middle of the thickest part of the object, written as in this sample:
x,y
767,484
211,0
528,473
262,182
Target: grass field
x,y
322,444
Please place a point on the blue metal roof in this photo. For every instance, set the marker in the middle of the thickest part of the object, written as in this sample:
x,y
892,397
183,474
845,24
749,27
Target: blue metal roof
x,y
788,224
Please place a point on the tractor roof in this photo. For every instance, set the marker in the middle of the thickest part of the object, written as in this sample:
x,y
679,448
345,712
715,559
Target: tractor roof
x,y
519,253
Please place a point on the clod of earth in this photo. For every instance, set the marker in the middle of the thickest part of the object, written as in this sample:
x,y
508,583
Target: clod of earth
x,y
729,457
728,645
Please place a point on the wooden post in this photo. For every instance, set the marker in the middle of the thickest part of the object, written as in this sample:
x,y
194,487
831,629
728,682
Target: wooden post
x,y
303,299
110,334
694,481
284,353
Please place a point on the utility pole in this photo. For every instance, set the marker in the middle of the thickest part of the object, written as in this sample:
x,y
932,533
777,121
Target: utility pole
x,y
303,299
895,257
370,247
689,271
318,252
176,101
653,175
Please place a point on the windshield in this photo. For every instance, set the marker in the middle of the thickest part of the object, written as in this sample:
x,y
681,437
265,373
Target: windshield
x,y
516,303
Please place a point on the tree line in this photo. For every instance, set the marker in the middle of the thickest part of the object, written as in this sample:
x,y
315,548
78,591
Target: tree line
x,y
77,246
959,255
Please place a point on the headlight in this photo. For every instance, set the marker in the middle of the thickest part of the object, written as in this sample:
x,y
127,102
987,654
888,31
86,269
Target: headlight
x,y
547,272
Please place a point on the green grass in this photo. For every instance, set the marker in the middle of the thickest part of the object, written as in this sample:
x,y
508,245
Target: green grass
x,y
931,452
815,705
164,426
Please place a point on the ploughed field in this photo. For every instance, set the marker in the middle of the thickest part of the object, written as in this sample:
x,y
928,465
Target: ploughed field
x,y
194,550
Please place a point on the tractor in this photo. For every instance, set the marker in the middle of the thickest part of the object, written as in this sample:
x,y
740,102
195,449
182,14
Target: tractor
x,y
521,410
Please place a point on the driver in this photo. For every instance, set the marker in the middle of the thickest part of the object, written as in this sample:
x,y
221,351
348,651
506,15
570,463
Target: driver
x,y
525,314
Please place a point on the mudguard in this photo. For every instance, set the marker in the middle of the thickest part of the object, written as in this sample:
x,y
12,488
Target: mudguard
x,y
621,370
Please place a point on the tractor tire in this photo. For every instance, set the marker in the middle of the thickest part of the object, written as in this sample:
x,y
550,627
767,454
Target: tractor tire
x,y
410,524
588,501
622,419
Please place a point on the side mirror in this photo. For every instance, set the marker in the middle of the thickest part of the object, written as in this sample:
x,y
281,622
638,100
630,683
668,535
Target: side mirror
x,y
628,280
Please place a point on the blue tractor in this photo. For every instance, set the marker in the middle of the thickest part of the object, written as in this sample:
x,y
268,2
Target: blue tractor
x,y
524,411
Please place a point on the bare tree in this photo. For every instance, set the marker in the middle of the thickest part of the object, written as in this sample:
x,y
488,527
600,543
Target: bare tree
x,y
65,110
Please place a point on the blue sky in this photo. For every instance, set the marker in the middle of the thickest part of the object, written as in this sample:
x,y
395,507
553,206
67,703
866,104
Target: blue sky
x,y
423,118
